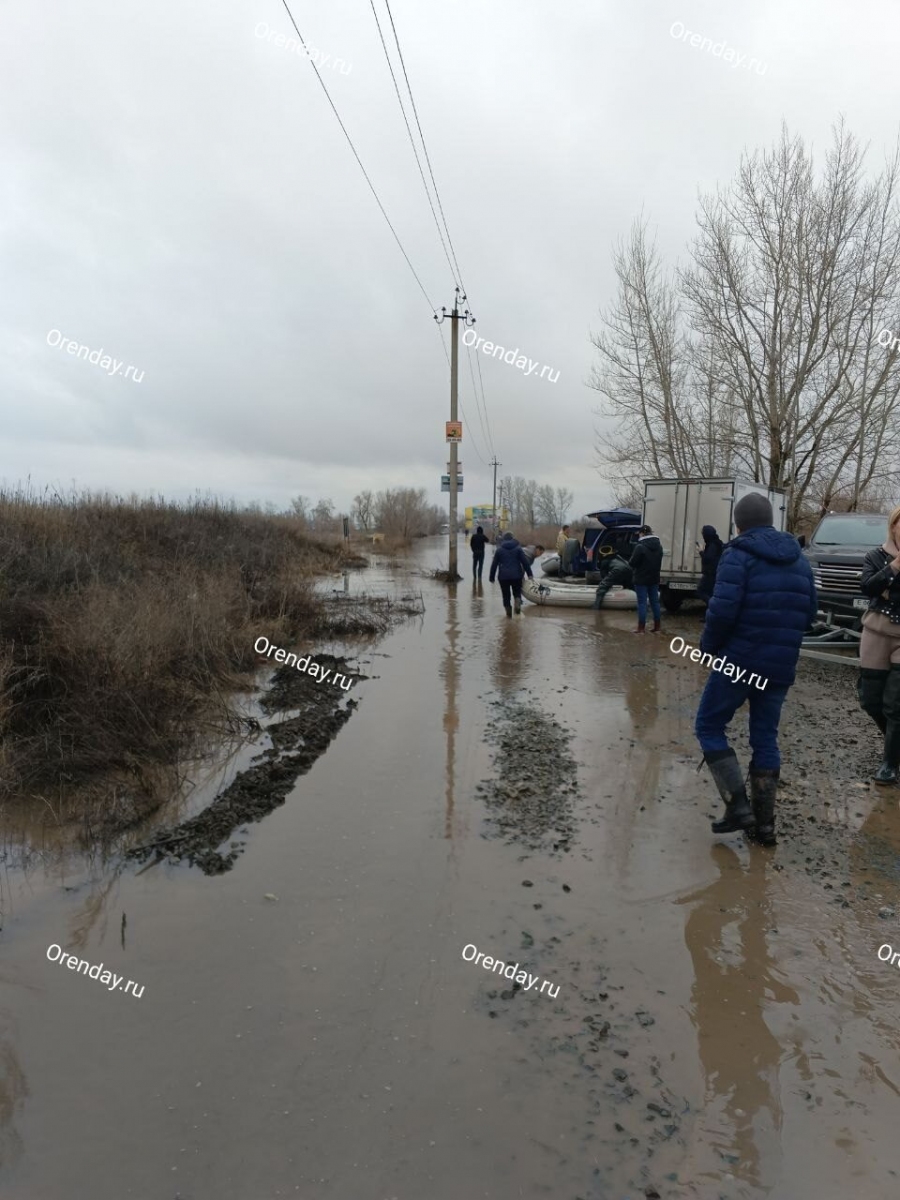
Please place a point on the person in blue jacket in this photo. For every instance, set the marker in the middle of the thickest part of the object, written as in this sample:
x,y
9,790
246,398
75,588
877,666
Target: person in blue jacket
x,y
512,564
763,601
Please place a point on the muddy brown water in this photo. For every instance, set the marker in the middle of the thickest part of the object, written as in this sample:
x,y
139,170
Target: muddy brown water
x,y
333,1042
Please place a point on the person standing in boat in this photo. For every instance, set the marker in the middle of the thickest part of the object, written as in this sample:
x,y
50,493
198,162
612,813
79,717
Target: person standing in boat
x,y
477,543
511,564
561,538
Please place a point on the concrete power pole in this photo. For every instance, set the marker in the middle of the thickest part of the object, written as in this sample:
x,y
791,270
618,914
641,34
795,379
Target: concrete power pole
x,y
455,317
493,463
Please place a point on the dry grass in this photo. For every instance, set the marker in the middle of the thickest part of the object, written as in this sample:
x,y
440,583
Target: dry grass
x,y
123,623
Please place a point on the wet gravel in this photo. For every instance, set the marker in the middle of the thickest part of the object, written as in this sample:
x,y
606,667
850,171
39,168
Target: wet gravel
x,y
318,712
531,801
831,829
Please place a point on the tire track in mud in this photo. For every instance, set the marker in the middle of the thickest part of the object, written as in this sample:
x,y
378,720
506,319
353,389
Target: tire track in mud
x,y
298,742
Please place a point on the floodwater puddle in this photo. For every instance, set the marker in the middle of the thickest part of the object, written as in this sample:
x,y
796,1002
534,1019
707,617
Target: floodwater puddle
x,y
723,1025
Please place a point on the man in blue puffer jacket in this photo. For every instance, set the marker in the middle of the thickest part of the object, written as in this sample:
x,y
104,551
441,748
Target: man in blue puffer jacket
x,y
763,601
513,564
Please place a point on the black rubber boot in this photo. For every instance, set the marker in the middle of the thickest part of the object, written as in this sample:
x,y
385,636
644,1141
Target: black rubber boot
x,y
518,607
723,766
887,772
763,787
870,689
508,610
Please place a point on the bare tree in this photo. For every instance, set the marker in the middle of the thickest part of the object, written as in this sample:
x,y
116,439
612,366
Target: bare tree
x,y
405,513
363,510
564,499
301,509
760,357
544,505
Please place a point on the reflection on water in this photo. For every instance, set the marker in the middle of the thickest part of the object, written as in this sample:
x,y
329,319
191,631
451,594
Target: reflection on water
x,y
13,1092
450,674
734,979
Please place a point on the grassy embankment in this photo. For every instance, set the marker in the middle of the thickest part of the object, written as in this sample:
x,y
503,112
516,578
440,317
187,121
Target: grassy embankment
x,y
123,625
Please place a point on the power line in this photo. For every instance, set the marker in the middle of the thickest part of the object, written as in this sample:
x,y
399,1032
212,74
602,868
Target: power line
x,y
359,160
462,410
487,440
422,136
412,142
482,406
484,402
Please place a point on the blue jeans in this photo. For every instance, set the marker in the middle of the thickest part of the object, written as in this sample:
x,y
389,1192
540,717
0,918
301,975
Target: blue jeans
x,y
642,590
721,699
477,565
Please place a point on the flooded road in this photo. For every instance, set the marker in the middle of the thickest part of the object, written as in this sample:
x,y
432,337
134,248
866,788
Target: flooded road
x,y
309,1026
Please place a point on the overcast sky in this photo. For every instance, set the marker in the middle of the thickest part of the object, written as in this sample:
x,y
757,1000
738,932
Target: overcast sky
x,y
177,193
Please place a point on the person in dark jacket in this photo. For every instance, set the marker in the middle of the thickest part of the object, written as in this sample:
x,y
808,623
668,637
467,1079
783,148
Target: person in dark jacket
x,y
646,564
616,571
763,601
477,543
511,563
709,561
878,686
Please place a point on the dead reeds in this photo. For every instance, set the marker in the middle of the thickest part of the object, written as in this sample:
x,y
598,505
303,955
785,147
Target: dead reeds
x,y
125,622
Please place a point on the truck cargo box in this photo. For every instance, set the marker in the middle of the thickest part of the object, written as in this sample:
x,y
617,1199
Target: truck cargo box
x,y
677,510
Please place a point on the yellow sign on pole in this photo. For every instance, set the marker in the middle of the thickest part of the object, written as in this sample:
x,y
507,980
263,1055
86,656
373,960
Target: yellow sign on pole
x,y
454,431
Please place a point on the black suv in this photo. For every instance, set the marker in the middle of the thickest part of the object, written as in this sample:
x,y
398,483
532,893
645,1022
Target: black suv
x,y
836,552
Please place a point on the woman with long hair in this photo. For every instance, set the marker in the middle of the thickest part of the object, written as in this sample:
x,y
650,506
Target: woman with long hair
x,y
879,649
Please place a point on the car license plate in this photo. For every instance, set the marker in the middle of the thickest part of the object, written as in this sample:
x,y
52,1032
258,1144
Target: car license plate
x,y
683,587
860,602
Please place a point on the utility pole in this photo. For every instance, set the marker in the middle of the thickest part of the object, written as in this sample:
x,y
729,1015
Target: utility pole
x,y
493,463
455,317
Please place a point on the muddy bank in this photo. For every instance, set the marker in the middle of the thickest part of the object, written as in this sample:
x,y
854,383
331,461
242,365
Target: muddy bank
x,y
318,713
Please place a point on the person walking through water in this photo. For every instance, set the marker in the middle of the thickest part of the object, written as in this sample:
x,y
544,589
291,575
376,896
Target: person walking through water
x,y
477,543
709,561
878,686
511,563
763,601
646,565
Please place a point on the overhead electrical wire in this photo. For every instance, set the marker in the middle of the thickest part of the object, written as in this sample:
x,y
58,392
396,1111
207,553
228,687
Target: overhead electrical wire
x,y
470,427
359,160
412,143
484,402
487,440
457,273
422,136
488,437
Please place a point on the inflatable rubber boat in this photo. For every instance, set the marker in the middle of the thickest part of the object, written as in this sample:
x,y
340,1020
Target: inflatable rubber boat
x,y
575,595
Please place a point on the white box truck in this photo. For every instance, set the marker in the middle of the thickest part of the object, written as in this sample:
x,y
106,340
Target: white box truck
x,y
677,510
